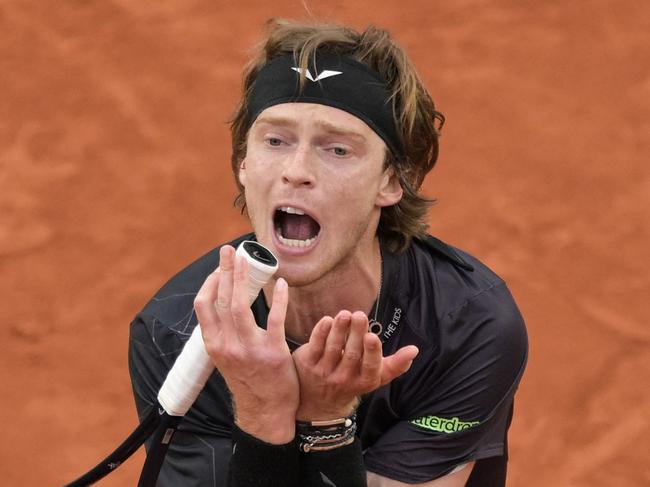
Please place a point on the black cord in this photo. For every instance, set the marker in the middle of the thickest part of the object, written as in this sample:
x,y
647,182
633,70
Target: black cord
x,y
121,453
162,437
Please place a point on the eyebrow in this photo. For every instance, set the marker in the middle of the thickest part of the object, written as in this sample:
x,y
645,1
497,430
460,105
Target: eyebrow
x,y
323,124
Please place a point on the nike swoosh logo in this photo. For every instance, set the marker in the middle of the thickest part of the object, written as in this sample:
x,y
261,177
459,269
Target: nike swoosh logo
x,y
328,73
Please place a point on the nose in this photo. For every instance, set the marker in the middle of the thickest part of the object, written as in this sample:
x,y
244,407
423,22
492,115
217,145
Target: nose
x,y
298,168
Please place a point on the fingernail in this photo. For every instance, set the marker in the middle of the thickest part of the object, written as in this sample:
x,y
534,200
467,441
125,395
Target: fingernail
x,y
280,284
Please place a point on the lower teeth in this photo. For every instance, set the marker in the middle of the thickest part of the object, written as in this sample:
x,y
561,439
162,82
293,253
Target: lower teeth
x,y
289,242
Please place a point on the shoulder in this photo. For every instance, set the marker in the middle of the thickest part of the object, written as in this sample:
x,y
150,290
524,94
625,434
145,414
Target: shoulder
x,y
184,285
445,282
462,311
171,309
454,269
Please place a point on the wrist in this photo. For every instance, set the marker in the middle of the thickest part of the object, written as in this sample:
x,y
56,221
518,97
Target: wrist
x,y
322,412
276,429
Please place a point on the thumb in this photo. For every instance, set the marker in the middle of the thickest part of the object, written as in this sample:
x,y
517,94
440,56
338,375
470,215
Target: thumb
x,y
395,365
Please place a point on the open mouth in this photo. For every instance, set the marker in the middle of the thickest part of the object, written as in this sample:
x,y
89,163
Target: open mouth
x,y
294,228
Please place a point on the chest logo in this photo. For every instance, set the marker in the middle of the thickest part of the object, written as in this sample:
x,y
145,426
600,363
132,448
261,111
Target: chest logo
x,y
443,425
392,326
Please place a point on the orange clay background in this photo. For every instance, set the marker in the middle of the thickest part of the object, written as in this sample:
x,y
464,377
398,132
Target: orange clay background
x,y
114,174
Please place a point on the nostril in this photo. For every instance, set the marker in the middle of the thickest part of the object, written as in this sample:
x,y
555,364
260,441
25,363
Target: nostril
x,y
297,179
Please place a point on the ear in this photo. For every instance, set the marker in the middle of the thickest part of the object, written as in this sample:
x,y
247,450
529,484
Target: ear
x,y
390,189
241,175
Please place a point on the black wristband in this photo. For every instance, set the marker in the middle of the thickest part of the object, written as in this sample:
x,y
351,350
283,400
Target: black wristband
x,y
342,467
255,463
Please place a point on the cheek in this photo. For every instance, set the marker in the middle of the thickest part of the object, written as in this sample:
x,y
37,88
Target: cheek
x,y
257,188
256,173
260,167
356,188
351,204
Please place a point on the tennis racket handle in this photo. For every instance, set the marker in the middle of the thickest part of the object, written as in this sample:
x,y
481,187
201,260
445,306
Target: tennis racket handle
x,y
193,366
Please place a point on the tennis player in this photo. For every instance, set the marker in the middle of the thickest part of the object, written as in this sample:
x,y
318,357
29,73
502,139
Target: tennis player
x,y
378,355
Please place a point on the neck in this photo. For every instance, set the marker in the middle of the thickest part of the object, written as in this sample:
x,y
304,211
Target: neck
x,y
352,286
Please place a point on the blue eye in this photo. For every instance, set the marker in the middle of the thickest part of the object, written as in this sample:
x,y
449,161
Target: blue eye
x,y
274,141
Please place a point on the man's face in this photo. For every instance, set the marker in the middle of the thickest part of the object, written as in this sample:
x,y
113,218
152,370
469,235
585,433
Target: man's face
x,y
314,185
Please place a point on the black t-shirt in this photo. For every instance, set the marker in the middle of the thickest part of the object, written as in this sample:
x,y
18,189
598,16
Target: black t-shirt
x,y
453,406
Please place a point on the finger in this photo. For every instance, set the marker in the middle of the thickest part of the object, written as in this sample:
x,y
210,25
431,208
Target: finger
x,y
226,266
353,351
278,311
371,361
318,338
395,365
240,310
336,341
204,306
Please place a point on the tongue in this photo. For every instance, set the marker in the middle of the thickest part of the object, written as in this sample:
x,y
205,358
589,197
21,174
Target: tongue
x,y
298,227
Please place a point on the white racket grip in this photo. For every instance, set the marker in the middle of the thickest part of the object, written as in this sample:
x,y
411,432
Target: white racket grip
x,y
193,367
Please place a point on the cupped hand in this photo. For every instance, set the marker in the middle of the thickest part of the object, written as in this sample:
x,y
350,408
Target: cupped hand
x,y
342,361
255,363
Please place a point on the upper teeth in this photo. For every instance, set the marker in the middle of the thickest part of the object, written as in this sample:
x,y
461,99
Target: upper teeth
x,y
292,210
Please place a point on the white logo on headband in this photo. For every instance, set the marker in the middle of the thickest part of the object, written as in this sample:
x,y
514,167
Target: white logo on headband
x,y
324,74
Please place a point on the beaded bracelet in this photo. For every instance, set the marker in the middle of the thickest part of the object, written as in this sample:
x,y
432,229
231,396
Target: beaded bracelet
x,y
326,435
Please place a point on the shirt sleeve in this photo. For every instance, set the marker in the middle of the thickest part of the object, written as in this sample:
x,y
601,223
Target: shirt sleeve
x,y
455,403
199,453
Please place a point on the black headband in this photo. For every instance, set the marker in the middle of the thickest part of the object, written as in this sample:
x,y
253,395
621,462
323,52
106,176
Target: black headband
x,y
331,80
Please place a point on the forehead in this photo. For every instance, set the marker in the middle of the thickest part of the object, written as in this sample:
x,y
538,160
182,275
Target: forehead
x,y
316,116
